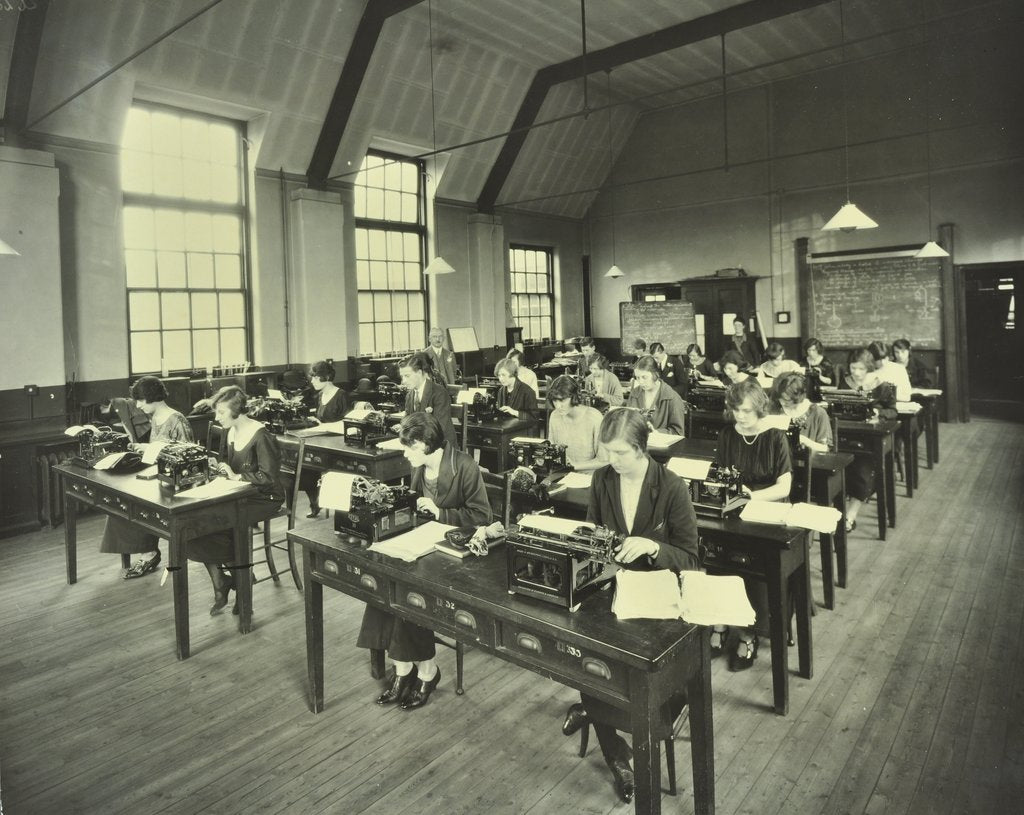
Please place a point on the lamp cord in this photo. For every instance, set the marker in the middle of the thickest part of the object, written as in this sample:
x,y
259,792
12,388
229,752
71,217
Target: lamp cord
x,y
846,112
611,164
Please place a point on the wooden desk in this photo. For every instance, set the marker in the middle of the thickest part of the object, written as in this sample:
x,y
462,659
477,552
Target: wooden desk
x,y
635,665
875,438
491,438
908,432
332,453
929,421
775,554
828,486
156,510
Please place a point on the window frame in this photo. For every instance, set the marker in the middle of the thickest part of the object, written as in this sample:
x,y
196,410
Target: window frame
x,y
549,255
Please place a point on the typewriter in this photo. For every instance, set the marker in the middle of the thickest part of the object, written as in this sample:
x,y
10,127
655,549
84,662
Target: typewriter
x,y
813,377
483,408
180,465
718,494
707,397
96,442
277,414
850,406
540,455
390,398
558,561
367,431
376,512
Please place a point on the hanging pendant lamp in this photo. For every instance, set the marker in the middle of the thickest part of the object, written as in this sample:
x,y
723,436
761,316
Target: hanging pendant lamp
x,y
614,271
930,249
438,265
7,249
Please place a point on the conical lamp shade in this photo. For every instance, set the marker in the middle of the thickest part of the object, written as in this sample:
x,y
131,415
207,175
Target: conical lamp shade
x,y
438,266
7,249
848,219
932,250
615,271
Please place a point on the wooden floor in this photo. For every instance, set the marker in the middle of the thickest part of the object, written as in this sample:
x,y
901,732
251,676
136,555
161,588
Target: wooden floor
x,y
916,705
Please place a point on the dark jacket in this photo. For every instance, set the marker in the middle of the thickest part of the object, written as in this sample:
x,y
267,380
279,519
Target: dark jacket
x,y
436,401
461,494
444,366
668,413
664,514
919,374
334,409
522,398
748,350
672,373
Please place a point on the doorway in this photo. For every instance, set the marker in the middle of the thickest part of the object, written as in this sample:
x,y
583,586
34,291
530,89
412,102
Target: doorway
x,y
995,343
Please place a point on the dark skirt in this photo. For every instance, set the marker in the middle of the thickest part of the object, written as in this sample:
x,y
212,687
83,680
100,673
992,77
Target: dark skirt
x,y
122,537
609,719
218,547
404,641
860,477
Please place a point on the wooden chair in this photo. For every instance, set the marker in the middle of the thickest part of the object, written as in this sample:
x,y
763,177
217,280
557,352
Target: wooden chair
x,y
461,412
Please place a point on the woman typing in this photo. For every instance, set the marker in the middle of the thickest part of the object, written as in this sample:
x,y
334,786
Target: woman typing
x,y
789,396
331,406
917,371
515,397
659,404
816,362
574,425
602,382
734,368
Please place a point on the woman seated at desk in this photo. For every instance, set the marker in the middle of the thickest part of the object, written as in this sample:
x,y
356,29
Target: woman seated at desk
x,y
249,453
524,373
574,425
425,395
775,363
331,406
860,476
635,496
815,361
699,367
761,454
917,371
451,489
120,536
888,371
661,406
789,397
514,397
602,382
734,368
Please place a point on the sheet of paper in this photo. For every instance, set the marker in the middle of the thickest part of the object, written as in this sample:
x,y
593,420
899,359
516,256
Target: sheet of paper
x,y
927,391
577,481
765,512
413,544
715,600
151,450
554,526
818,518
689,468
646,595
358,414
336,490
528,440
661,441
778,421
465,397
211,489
74,430
109,461
390,444
273,393
909,408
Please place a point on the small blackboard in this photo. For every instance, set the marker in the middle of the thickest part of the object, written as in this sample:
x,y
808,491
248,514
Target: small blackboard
x,y
671,323
854,300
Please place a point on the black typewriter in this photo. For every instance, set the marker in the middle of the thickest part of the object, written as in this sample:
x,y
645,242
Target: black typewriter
x,y
559,567
369,430
483,408
718,494
180,465
707,397
540,455
96,442
376,512
278,414
390,398
850,406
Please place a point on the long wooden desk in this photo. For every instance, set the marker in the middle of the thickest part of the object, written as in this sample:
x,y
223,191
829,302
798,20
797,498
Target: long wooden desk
x,y
875,438
491,438
774,554
929,421
332,453
156,510
828,486
635,665
908,431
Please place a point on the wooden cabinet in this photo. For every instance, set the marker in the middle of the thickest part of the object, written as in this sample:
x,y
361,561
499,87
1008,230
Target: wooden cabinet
x,y
716,302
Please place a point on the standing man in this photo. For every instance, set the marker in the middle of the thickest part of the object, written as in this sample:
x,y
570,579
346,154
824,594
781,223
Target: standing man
x,y
443,359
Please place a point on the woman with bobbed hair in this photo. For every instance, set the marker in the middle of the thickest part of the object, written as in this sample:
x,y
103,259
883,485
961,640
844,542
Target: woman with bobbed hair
x,y
574,425
697,365
602,382
775,362
635,496
815,361
451,489
331,406
917,371
248,453
789,397
166,425
514,397
661,406
761,454
888,371
524,373
734,367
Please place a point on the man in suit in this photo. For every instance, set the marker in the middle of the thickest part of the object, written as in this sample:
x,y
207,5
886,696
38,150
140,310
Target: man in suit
x,y
441,357
424,395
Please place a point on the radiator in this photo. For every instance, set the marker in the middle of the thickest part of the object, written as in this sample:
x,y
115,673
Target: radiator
x,y
51,499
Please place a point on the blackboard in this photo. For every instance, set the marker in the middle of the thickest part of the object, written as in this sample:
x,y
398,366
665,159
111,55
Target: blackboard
x,y
671,323
855,300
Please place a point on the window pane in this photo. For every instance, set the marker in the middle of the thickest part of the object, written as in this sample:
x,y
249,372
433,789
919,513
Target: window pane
x,y
170,229
410,176
145,350
392,206
140,269
382,336
365,307
144,312
396,276
366,345
416,311
223,184
138,228
229,271
171,266
195,140
167,176
377,243
393,175
375,204
197,181
204,310
362,274
409,213
198,232
400,306
232,346
205,348
401,338
396,245
378,274
413,276
362,244
136,172
137,131
174,310
412,246
232,311
227,235
382,308
200,270
166,133
223,144
177,350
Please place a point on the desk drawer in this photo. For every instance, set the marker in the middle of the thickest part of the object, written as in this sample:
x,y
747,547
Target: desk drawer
x,y
444,615
330,461
563,658
849,444
85,493
114,504
154,518
345,577
482,440
734,559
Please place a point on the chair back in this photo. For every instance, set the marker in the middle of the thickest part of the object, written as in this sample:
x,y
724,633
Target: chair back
x,y
834,422
453,391
800,491
498,493
461,412
216,439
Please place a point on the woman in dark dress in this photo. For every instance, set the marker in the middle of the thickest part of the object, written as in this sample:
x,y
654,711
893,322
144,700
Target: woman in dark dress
x,y
734,367
638,497
514,397
331,406
762,456
661,406
816,362
917,371
249,453
452,490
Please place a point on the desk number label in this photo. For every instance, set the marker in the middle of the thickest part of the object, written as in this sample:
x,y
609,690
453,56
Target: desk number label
x,y
571,650
353,569
446,604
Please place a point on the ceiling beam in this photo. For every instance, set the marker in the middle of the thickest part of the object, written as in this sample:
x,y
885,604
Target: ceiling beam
x,y
716,24
22,73
346,91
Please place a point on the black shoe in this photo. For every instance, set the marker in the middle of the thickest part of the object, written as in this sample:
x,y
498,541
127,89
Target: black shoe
x,y
576,718
421,692
624,784
314,512
142,567
399,688
741,663
718,639
220,595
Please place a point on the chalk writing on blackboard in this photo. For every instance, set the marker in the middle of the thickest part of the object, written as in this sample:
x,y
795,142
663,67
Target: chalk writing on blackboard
x,y
854,301
671,323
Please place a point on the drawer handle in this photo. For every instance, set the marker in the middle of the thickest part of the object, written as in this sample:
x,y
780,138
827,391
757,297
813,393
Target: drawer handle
x,y
143,514
416,600
528,642
368,581
466,619
331,567
107,500
596,667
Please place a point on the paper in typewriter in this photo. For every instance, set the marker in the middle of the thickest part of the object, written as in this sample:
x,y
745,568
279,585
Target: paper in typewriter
x,y
776,421
322,429
336,490
553,526
714,600
390,444
692,469
646,595
74,430
528,440
465,397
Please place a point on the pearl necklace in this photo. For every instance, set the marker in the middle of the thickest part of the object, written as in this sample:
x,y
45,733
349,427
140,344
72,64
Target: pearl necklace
x,y
751,442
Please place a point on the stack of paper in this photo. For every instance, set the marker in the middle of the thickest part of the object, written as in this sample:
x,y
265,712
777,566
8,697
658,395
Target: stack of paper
x,y
553,526
692,469
926,391
909,407
576,481
661,441
714,600
413,544
804,516
109,461
646,595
